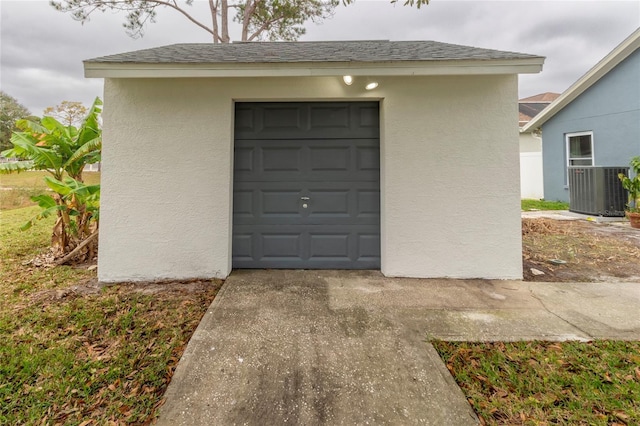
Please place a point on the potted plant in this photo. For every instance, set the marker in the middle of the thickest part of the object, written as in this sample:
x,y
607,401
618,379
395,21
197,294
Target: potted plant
x,y
633,186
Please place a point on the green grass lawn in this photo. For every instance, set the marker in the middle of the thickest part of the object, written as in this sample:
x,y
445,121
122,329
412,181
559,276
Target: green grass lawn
x,y
17,189
34,179
106,357
543,383
528,205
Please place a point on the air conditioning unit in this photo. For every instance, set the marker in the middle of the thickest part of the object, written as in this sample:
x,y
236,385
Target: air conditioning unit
x,y
596,190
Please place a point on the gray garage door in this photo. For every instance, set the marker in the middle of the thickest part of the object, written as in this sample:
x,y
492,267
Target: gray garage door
x,y
306,190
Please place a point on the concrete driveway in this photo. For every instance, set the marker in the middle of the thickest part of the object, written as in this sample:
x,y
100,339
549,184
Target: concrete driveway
x,y
351,347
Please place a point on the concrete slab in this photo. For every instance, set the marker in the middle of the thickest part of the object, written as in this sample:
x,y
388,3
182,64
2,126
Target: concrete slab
x,y
602,311
568,215
351,347
273,350
504,325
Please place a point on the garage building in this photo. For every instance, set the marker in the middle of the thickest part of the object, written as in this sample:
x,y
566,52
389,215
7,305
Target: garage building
x,y
398,156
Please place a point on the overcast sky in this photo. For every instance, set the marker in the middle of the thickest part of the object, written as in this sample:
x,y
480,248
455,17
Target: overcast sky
x,y
41,50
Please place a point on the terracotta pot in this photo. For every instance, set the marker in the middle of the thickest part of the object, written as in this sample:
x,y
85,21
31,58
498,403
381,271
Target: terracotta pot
x,y
634,219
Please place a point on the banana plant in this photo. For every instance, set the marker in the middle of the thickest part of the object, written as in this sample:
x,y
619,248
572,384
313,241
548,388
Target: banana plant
x,y
47,144
632,185
63,152
77,207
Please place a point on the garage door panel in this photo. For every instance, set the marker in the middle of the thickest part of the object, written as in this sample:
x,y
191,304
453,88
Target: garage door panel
x,y
319,263
279,203
368,160
243,203
368,246
245,117
281,159
329,159
329,246
368,203
284,120
330,117
313,248
332,203
243,246
243,161
328,203
368,116
281,245
306,186
310,160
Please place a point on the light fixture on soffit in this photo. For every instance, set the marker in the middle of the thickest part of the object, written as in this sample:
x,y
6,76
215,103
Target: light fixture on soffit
x,y
371,85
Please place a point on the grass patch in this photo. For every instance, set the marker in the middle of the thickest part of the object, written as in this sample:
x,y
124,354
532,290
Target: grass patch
x,y
104,357
533,383
15,198
17,189
529,205
35,180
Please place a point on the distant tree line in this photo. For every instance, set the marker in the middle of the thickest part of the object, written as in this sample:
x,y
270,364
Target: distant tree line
x,y
10,111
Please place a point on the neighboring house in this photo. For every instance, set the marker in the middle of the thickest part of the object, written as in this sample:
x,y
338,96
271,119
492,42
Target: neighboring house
x,y
531,183
398,156
596,122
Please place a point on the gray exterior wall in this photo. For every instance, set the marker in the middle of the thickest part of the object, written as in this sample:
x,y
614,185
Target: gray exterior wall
x,y
611,110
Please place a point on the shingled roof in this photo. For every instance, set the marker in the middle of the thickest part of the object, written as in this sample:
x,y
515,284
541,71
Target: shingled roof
x,y
308,59
533,105
546,97
374,51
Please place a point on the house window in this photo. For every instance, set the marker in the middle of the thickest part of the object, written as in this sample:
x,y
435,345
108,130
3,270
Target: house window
x,y
579,150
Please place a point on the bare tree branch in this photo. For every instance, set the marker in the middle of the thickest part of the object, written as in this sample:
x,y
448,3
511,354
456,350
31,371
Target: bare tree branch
x,y
264,27
259,19
181,10
77,7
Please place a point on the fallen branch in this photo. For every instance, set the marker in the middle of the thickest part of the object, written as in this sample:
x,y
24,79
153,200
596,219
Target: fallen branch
x,y
76,250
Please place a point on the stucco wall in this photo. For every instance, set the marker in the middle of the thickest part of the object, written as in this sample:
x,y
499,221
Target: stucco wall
x,y
611,109
449,173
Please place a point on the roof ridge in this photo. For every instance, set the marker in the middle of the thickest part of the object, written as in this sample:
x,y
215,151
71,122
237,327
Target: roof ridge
x,y
347,51
306,41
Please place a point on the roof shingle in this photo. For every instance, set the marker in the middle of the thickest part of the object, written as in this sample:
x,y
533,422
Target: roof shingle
x,y
546,97
374,51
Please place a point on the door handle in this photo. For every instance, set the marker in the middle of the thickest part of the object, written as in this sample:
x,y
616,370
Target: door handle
x,y
304,198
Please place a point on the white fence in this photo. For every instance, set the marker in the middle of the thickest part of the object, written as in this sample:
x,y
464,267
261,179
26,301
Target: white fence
x,y
95,167
531,183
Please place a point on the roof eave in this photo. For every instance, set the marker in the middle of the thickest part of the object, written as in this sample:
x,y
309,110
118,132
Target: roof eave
x,y
307,69
617,55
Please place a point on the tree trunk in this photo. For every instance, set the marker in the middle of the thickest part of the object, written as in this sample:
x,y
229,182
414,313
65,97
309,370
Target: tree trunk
x,y
246,18
224,17
77,250
214,20
59,236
